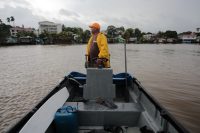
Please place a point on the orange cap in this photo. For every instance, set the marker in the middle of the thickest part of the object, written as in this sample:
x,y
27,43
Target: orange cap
x,y
95,26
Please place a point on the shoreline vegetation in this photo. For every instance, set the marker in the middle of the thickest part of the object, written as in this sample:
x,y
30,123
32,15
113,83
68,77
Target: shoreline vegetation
x,y
76,35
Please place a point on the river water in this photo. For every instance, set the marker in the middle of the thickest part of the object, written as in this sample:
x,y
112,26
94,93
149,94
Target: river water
x,y
171,73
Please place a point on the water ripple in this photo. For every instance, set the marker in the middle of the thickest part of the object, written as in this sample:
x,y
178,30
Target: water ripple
x,y
170,73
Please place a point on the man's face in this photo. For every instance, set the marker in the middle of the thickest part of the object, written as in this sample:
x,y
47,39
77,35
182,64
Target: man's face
x,y
93,30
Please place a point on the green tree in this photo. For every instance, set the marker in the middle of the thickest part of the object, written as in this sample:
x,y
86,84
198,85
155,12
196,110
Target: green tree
x,y
75,30
75,33
160,34
85,36
171,34
121,28
111,31
128,34
45,35
54,37
4,32
66,37
8,20
12,19
131,32
63,27
137,33
66,29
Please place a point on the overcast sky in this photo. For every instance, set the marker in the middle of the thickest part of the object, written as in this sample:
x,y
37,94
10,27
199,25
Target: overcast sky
x,y
147,15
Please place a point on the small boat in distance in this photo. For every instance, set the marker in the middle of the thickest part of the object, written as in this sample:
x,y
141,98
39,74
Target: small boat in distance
x,y
98,101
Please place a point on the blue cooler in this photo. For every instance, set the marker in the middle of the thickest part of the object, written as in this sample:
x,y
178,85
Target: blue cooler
x,y
66,120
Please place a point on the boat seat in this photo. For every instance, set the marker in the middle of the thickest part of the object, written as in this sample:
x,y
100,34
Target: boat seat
x,y
94,114
81,80
121,79
115,80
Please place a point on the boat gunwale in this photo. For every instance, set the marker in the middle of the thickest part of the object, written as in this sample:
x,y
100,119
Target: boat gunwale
x,y
19,125
164,113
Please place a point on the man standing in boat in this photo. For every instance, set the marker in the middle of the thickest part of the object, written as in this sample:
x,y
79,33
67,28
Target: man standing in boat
x,y
97,53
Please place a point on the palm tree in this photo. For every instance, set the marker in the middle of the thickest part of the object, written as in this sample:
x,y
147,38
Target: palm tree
x,y
12,19
8,20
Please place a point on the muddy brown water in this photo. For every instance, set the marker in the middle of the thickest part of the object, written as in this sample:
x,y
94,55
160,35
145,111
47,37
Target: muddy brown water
x,y
171,73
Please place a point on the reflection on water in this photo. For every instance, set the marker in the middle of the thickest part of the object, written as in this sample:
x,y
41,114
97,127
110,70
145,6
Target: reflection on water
x,y
168,51
170,73
195,52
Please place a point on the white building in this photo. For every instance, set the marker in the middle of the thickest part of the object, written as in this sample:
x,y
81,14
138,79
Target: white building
x,y
15,30
148,36
50,27
188,37
132,39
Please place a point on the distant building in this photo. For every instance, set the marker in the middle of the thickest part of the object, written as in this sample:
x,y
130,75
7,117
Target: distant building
x,y
189,37
26,40
161,40
15,30
132,39
50,27
149,36
11,40
171,40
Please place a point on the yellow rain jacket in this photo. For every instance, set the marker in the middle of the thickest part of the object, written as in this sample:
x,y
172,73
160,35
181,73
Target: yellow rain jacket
x,y
103,47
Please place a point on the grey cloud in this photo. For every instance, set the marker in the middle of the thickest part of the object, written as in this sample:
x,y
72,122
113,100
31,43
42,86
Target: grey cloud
x,y
68,13
22,16
71,23
15,3
118,21
148,15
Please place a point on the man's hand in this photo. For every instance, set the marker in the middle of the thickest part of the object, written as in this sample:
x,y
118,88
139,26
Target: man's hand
x,y
99,62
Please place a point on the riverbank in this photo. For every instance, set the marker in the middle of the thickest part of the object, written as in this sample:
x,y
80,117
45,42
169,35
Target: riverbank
x,y
71,44
4,45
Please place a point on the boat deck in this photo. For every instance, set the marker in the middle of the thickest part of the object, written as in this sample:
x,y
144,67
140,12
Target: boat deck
x,y
97,114
100,129
93,117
